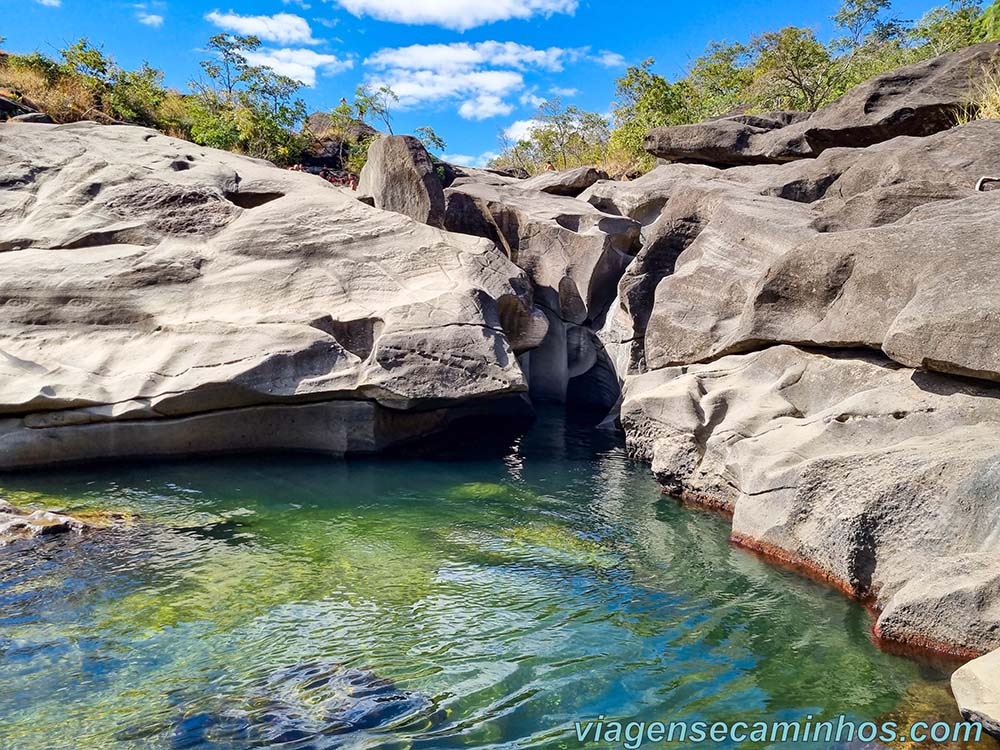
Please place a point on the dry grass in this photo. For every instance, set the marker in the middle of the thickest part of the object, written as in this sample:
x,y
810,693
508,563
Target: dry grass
x,y
65,100
985,103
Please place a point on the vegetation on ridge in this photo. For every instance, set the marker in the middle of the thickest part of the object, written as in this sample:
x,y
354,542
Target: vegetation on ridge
x,y
253,110
787,69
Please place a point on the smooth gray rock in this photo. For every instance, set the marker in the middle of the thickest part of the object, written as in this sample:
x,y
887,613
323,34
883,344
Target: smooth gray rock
x,y
915,100
159,298
573,253
882,480
400,176
35,117
894,252
569,182
977,689
574,256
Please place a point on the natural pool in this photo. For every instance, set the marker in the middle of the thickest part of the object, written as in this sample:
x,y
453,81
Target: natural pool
x,y
475,602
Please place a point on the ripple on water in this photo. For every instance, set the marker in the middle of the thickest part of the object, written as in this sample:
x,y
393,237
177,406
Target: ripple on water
x,y
485,602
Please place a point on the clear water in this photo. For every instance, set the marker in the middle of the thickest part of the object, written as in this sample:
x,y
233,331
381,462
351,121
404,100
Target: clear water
x,y
482,602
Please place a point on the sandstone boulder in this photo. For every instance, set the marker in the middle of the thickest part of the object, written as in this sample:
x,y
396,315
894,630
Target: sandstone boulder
x,y
399,176
159,298
574,256
886,247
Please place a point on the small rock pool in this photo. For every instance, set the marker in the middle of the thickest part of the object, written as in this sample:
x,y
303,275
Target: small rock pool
x,y
474,602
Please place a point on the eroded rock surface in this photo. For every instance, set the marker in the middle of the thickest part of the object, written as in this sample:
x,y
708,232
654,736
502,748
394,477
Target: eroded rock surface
x,y
159,298
810,345
882,479
573,254
569,182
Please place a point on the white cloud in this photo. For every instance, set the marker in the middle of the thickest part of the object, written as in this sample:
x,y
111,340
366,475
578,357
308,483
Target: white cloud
x,y
459,15
282,28
149,19
530,98
478,77
467,160
49,3
462,56
300,64
421,86
560,91
483,107
519,130
610,59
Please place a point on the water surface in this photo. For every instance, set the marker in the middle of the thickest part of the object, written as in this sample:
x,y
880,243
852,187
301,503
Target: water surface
x,y
478,602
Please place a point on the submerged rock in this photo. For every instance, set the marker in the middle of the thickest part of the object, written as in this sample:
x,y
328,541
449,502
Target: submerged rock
x,y
18,524
318,703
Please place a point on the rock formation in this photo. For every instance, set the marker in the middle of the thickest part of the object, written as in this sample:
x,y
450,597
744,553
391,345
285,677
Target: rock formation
x,y
809,342
19,524
916,100
574,255
800,329
158,298
399,176
570,182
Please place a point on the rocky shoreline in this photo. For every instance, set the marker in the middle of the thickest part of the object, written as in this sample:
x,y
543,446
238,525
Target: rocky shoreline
x,y
794,320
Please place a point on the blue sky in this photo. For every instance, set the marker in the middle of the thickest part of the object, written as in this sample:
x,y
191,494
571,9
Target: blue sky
x,y
468,68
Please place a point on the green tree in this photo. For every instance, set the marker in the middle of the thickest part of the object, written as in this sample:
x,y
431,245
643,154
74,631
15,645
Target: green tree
x,y
375,105
645,100
948,28
721,79
243,107
431,140
793,70
988,23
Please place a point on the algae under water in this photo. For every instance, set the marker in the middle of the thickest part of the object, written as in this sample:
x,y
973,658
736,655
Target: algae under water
x,y
485,602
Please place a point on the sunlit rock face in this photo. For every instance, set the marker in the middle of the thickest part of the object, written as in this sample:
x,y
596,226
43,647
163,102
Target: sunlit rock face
x,y
574,255
159,298
811,346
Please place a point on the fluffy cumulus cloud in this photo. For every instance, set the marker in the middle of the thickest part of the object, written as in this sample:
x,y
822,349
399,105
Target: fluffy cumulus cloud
x,y
462,56
520,130
481,78
149,19
610,59
301,64
281,28
483,107
459,15
470,160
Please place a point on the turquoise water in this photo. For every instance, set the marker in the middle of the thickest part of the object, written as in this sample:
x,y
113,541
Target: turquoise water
x,y
478,602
